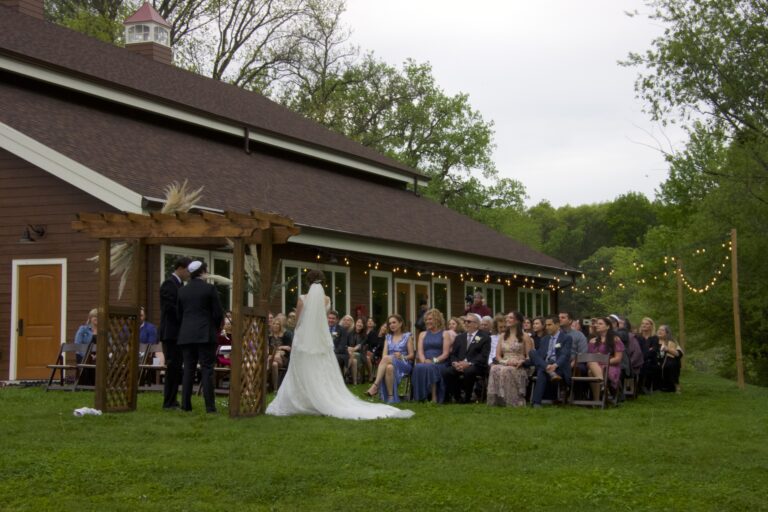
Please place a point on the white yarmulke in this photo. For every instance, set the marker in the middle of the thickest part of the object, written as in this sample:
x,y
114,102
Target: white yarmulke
x,y
194,265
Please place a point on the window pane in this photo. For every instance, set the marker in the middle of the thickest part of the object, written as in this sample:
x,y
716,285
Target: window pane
x,y
440,298
291,288
340,292
545,296
529,311
379,298
223,268
497,307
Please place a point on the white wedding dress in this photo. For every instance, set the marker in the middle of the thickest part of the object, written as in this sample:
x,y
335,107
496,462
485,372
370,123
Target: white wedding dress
x,y
313,383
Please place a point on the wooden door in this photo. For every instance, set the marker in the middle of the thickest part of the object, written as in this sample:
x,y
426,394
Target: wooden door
x,y
38,325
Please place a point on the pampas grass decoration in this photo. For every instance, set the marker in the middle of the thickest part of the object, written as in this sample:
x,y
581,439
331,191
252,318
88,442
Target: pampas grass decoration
x,y
178,199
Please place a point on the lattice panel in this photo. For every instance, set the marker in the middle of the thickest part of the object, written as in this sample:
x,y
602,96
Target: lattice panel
x,y
254,366
121,329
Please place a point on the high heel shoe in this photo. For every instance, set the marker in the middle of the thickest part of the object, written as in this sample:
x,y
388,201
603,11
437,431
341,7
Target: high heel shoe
x,y
373,388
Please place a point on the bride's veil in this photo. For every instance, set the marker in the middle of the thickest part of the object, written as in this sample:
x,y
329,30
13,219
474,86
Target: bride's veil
x,y
312,334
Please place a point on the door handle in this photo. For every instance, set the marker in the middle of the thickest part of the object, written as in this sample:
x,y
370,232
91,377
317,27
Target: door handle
x,y
20,328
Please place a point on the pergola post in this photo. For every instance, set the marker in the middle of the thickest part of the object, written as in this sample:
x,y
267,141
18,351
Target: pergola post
x,y
265,266
103,328
238,325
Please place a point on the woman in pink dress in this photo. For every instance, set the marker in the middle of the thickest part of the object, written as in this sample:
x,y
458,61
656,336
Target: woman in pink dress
x,y
606,342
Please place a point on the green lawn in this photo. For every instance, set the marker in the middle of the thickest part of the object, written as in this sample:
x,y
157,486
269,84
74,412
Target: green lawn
x,y
705,449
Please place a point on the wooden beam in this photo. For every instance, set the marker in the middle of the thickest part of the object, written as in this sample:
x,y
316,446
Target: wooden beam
x,y
736,310
103,327
236,355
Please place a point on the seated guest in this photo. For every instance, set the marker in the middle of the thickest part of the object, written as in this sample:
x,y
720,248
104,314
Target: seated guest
x,y
508,378
499,326
578,340
670,354
433,349
341,340
357,352
467,361
87,332
527,325
552,360
606,342
147,330
85,335
396,361
455,327
649,344
280,341
634,351
225,338
374,346
537,325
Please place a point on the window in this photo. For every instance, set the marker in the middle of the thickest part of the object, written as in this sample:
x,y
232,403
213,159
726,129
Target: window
x,y
381,299
161,36
493,293
138,33
533,303
336,284
219,263
441,296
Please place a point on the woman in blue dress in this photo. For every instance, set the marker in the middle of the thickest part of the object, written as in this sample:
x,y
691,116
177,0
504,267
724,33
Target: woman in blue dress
x,y
434,347
396,361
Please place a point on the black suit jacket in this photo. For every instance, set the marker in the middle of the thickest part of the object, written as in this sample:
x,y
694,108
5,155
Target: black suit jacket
x,y
342,340
169,321
476,353
200,313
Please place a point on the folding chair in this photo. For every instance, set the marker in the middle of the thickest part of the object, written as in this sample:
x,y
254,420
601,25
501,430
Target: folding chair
x,y
147,365
630,387
220,372
600,400
86,364
66,351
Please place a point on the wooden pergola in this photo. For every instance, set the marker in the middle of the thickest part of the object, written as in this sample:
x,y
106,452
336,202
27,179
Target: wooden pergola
x,y
117,345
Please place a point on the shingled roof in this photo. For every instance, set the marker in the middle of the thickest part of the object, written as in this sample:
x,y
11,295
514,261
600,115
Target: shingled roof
x,y
145,152
59,48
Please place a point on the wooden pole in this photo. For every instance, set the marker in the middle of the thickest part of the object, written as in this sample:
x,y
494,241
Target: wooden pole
x,y
139,296
680,306
736,313
236,355
265,267
103,333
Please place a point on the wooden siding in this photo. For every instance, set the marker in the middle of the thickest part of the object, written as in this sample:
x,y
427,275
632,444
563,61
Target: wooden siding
x,y
29,195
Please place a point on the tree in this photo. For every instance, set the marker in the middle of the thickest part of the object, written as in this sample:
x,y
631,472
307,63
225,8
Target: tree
x,y
403,113
710,67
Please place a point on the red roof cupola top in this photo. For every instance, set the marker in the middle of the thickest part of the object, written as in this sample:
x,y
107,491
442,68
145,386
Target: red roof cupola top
x,y
146,13
147,26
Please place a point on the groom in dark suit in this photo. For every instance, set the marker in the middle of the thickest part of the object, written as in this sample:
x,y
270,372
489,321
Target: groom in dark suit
x,y
552,359
468,360
169,331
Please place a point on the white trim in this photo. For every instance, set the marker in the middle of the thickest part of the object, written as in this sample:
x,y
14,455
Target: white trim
x,y
165,109
15,264
447,282
349,242
74,173
412,283
537,295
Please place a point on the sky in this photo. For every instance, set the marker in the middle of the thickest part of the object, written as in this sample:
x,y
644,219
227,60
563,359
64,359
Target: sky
x,y
567,123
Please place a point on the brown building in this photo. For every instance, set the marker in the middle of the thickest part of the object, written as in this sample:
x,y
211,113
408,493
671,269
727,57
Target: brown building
x,y
90,127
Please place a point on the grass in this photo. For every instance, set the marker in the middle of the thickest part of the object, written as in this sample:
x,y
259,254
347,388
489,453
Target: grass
x,y
705,449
